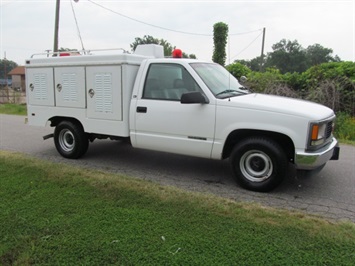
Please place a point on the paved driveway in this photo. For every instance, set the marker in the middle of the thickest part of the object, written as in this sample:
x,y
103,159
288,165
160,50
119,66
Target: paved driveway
x,y
331,193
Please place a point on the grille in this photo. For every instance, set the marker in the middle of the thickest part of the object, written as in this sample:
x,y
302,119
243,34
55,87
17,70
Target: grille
x,y
329,129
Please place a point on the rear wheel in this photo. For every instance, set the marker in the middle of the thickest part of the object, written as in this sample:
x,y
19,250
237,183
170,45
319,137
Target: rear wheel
x,y
259,164
70,139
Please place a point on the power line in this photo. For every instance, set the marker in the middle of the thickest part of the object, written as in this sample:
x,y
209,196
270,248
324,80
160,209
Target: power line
x,y
77,26
246,32
246,46
164,28
145,23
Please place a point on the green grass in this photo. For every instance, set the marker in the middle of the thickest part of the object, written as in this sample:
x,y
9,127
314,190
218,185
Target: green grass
x,y
13,109
54,214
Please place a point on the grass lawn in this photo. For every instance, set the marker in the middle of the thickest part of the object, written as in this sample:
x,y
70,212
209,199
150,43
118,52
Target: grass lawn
x,y
54,214
13,109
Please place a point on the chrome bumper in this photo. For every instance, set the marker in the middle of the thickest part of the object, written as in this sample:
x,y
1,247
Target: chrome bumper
x,y
313,160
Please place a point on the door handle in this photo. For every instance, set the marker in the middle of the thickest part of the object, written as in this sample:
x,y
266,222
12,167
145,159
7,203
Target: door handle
x,y
91,93
141,109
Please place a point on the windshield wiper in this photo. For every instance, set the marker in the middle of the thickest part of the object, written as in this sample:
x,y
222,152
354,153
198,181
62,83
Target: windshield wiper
x,y
238,93
226,91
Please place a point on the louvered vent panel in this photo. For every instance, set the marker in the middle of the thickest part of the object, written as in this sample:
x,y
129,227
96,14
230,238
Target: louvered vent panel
x,y
40,86
70,88
103,93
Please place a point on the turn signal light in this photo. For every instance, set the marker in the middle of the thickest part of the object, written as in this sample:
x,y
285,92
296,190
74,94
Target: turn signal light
x,y
315,130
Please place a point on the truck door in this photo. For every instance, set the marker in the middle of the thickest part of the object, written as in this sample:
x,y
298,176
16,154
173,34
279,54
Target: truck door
x,y
163,123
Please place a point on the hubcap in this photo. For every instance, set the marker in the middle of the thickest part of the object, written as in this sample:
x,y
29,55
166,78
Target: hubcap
x,y
256,166
66,140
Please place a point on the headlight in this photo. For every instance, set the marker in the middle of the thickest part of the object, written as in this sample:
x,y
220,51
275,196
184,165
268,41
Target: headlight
x,y
320,133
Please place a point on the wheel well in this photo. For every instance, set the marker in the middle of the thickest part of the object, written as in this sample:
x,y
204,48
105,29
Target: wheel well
x,y
57,119
284,141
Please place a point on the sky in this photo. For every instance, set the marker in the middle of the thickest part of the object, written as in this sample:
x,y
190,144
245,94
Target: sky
x,y
27,26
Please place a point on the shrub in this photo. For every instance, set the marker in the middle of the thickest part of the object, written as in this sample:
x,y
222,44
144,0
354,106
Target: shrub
x,y
260,81
338,94
330,84
238,70
345,127
327,71
293,80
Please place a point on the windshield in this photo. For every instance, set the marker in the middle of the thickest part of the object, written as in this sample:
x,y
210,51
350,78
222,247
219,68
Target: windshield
x,y
220,82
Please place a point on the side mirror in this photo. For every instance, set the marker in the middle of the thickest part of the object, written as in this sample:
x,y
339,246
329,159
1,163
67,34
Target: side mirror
x,y
243,79
193,97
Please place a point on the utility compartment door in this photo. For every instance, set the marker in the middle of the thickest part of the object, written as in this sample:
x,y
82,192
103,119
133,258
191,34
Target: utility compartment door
x,y
70,87
104,92
40,88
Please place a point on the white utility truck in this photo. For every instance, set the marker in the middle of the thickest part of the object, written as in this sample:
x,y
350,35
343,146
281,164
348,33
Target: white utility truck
x,y
176,105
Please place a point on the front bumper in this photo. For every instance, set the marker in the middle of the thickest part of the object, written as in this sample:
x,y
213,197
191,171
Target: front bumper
x,y
313,160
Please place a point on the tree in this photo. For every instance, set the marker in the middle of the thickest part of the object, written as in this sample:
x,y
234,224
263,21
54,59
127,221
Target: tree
x,y
287,56
220,34
185,55
147,39
168,48
5,67
317,54
253,64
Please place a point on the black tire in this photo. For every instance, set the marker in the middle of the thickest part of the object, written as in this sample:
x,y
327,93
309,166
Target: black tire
x,y
258,164
70,139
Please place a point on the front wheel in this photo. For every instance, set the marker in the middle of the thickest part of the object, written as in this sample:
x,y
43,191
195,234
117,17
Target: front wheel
x,y
70,140
258,164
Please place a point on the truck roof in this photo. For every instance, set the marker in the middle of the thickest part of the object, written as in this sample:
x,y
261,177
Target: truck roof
x,y
86,60
72,58
103,57
113,59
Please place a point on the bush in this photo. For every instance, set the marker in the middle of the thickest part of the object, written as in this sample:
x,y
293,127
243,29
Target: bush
x,y
345,127
261,81
338,94
293,80
328,71
238,70
330,84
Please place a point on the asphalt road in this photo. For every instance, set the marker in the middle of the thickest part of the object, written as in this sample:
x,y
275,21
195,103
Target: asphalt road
x,y
330,194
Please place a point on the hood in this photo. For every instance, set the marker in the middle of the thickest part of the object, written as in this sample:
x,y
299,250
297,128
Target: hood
x,y
279,104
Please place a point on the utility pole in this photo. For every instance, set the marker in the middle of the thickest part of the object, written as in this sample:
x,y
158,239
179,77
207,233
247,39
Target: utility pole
x,y
6,81
262,52
56,27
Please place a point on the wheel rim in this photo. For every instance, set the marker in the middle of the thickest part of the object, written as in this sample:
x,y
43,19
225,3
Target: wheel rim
x,y
256,166
66,140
